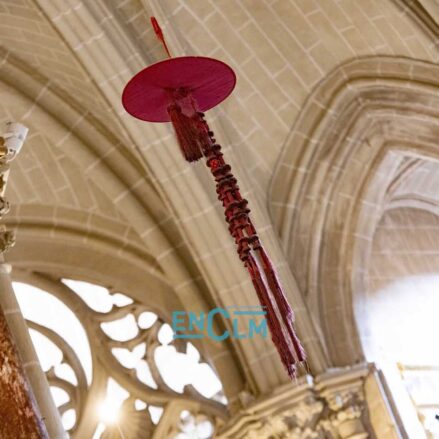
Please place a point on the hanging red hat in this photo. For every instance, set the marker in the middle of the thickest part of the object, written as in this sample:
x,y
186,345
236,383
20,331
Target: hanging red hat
x,y
179,90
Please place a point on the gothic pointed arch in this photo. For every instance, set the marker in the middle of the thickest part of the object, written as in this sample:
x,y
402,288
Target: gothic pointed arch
x,y
363,127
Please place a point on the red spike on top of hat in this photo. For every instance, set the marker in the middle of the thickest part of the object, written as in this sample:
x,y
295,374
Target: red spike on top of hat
x,y
159,33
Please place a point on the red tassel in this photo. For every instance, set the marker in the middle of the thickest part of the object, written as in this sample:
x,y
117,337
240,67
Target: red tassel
x,y
282,303
189,128
267,285
279,334
195,140
187,132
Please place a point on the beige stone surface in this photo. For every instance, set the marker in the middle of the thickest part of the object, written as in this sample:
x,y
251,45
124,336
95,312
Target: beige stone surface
x,y
333,124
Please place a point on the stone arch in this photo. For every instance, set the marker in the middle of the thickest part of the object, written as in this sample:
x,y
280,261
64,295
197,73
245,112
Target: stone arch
x,y
104,158
332,183
93,251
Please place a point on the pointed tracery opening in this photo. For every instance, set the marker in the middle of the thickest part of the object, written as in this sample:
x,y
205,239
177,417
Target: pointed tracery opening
x,y
113,365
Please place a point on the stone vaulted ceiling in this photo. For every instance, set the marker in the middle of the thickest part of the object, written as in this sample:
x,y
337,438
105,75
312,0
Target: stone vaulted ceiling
x,y
90,167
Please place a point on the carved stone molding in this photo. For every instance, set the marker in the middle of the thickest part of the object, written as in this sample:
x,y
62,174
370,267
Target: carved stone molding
x,y
7,239
10,144
329,406
425,13
153,407
343,393
361,113
18,405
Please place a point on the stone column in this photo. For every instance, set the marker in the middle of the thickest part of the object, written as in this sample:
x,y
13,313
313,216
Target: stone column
x,y
21,376
29,360
19,414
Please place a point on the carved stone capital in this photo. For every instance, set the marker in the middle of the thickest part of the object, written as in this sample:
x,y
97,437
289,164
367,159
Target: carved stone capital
x,y
10,144
329,406
4,205
343,392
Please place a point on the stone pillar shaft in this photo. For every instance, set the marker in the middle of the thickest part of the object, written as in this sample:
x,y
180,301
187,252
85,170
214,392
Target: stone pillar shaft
x,y
19,416
30,366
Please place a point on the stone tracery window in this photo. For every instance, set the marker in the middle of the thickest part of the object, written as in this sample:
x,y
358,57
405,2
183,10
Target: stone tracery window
x,y
113,365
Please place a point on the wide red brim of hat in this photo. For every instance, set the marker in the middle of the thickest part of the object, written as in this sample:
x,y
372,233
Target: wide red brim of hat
x,y
146,95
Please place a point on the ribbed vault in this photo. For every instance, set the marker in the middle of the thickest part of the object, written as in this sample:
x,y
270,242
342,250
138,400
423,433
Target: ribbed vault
x,y
339,116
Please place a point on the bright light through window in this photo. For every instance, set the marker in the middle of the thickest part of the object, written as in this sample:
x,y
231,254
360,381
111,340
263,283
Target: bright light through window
x,y
46,310
179,369
109,408
402,323
137,339
402,319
